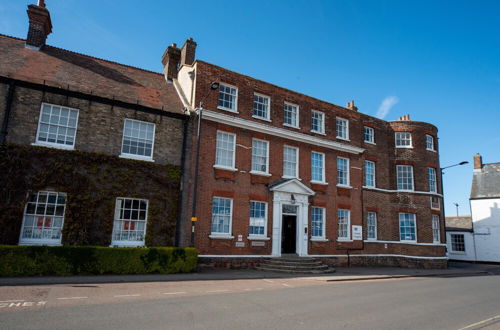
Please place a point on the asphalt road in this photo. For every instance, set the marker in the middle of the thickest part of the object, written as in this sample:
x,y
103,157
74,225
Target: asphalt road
x,y
288,303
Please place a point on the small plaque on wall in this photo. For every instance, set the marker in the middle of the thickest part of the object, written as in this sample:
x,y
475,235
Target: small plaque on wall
x,y
258,243
357,233
240,244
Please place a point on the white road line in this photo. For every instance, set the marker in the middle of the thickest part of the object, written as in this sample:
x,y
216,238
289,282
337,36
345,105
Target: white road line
x,y
284,284
481,322
179,292
216,291
127,295
268,281
4,301
69,298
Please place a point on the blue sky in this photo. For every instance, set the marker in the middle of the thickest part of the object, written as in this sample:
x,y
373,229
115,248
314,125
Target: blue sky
x,y
439,61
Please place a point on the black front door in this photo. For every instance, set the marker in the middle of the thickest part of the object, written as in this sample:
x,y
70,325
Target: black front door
x,y
288,234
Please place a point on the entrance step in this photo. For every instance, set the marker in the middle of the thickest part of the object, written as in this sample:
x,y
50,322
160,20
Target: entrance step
x,y
294,264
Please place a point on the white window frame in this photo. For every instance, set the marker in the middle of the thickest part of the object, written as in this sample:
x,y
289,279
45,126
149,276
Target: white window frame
x,y
429,139
463,241
128,243
43,241
222,234
322,237
225,167
348,174
398,167
323,181
371,216
252,171
438,203
436,229
268,111
322,123
374,174
55,144
296,162
432,179
297,115
235,100
398,139
414,219
134,156
346,125
372,134
348,225
265,220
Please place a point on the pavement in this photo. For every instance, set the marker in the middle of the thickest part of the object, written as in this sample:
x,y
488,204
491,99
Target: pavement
x,y
341,274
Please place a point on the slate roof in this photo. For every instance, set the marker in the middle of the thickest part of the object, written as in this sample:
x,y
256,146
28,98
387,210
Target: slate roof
x,y
458,223
486,183
62,68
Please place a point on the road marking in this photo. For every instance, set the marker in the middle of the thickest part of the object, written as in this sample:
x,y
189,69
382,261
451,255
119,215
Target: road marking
x,y
268,281
4,301
284,284
494,318
216,291
127,295
69,298
179,292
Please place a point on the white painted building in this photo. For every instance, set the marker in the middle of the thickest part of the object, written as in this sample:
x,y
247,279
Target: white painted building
x,y
460,238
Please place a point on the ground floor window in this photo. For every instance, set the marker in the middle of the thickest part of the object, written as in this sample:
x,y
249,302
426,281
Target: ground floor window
x,y
407,227
344,224
222,211
43,218
258,218
129,228
457,243
371,222
318,222
435,229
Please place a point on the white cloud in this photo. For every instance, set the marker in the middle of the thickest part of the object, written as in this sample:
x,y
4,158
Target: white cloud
x,y
386,106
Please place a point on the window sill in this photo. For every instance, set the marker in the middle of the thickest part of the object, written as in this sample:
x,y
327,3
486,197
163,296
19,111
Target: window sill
x,y
288,125
262,118
369,142
370,187
219,167
344,186
344,240
258,238
41,242
135,157
127,244
343,139
319,239
432,150
227,109
458,252
370,240
405,147
291,177
215,236
53,145
407,241
260,173
319,182
405,190
318,132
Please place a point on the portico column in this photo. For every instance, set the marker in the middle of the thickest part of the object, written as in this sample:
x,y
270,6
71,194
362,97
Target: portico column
x,y
276,225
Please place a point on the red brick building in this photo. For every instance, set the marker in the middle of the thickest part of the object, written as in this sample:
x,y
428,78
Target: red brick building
x,y
281,172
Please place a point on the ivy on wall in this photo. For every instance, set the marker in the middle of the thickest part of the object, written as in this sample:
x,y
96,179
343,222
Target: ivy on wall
x,y
92,183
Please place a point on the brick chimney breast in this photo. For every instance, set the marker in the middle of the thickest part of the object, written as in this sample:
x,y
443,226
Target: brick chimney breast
x,y
40,25
171,61
188,52
478,163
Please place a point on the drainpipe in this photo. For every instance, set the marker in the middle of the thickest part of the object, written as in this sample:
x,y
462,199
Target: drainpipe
x,y
8,108
196,176
185,122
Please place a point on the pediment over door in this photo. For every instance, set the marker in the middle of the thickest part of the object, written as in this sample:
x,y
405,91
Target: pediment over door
x,y
292,186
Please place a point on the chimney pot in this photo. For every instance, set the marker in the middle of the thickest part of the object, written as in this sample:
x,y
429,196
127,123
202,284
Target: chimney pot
x,y
478,162
40,25
188,52
41,3
351,106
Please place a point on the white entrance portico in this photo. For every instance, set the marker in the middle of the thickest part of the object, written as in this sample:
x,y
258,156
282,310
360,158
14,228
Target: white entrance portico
x,y
291,192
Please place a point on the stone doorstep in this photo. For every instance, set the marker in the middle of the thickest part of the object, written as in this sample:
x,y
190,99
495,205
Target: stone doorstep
x,y
297,271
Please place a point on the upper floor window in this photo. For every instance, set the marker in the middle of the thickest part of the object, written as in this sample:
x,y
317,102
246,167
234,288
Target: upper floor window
x,y
429,143
403,140
344,224
369,134
369,173
431,175
290,163
457,243
129,227
435,204
371,223
342,129
342,171
404,177
317,167
138,139
407,227
317,122
291,115
222,214
261,107
260,156
318,222
43,218
435,229
57,126
258,218
228,98
225,148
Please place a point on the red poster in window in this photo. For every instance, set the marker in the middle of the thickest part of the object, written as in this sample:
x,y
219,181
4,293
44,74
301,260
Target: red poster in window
x,y
129,225
48,222
39,222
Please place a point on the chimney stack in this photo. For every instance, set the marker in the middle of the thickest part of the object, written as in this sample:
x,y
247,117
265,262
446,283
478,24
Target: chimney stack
x,y
171,62
40,25
188,52
404,118
350,105
478,163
